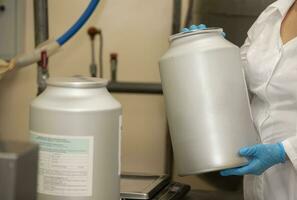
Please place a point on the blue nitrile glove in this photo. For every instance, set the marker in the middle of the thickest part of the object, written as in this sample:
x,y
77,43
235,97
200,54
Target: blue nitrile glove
x,y
194,28
199,27
261,157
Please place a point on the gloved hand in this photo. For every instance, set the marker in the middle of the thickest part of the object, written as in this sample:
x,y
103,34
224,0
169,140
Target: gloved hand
x,y
199,27
194,28
261,157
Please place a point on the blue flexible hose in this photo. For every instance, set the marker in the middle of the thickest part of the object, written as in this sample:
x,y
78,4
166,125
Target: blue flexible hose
x,y
80,22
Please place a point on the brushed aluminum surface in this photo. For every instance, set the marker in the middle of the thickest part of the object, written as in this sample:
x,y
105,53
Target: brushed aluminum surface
x,y
206,102
83,107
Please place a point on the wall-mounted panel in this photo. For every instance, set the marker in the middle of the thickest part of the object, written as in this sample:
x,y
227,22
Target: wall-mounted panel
x,y
11,26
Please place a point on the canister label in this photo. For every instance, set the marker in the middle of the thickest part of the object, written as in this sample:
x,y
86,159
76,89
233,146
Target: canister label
x,y
65,164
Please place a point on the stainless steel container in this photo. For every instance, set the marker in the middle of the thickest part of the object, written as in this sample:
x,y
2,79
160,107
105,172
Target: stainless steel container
x,y
77,124
206,101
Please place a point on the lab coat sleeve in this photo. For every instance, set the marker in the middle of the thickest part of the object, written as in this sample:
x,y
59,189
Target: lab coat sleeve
x,y
290,146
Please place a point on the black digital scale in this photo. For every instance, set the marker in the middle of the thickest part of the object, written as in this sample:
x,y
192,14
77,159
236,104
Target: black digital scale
x,y
151,187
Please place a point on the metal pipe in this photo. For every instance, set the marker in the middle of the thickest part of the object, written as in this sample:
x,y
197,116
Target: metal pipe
x,y
176,19
101,53
138,88
189,15
93,66
41,35
113,66
92,32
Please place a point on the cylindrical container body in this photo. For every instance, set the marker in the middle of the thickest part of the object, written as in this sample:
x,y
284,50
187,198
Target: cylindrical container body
x,y
77,124
206,101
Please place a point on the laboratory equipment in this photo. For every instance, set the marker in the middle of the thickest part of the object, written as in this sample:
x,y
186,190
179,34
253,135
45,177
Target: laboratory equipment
x,y
173,191
213,195
142,186
18,170
77,124
206,101
151,187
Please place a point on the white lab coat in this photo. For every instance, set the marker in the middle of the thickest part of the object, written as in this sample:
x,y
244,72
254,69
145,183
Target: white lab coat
x,y
271,73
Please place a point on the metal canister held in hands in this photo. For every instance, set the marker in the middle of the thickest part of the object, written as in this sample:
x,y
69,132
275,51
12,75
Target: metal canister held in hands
x,y
206,101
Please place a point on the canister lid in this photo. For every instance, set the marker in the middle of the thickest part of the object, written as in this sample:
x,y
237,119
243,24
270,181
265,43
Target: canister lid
x,y
195,32
77,82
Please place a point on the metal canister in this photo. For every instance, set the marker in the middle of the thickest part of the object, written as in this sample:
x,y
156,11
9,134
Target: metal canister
x,y
206,101
77,124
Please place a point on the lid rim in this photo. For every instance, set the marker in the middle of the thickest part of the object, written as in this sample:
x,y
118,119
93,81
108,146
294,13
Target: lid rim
x,y
196,32
77,82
